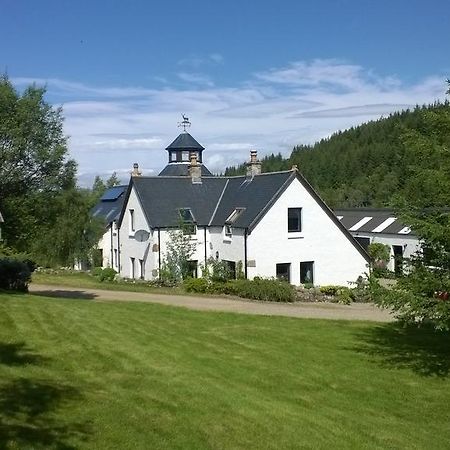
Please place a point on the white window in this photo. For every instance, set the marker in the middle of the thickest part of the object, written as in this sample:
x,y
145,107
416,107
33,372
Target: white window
x,y
228,231
131,219
294,220
132,268
141,269
235,215
307,272
188,221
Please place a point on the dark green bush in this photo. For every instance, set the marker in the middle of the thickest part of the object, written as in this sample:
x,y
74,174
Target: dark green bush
x,y
96,271
107,274
258,289
199,285
14,275
262,289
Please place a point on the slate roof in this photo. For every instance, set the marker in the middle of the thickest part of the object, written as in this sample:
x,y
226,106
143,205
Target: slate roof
x,y
161,198
181,170
185,142
110,204
255,195
370,220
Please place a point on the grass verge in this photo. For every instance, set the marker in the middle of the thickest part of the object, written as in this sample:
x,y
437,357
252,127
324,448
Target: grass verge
x,y
81,374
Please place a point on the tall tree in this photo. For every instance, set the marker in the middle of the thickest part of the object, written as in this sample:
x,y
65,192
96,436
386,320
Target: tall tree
x,y
45,213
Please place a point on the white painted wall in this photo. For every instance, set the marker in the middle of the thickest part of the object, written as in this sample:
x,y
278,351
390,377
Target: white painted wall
x,y
410,244
336,260
130,247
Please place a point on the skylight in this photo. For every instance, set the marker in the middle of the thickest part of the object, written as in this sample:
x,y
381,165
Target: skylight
x,y
235,215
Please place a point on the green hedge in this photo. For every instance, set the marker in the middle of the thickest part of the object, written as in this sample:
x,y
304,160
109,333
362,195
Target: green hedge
x,y
257,289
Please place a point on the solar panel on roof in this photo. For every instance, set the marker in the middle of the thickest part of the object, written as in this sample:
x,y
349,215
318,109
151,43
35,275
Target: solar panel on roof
x,y
113,193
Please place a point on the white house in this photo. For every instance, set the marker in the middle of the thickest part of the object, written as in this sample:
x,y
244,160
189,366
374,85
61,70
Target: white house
x,y
109,208
272,224
368,225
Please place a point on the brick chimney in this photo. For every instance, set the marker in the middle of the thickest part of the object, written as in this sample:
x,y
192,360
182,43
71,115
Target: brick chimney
x,y
254,166
195,169
136,172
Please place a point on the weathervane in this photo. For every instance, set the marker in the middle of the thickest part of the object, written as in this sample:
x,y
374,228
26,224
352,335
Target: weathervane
x,y
184,123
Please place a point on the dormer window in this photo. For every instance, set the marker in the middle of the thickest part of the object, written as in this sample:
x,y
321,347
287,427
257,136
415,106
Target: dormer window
x,y
234,215
187,221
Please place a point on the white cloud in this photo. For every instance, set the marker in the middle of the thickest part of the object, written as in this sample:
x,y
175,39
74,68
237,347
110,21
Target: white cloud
x,y
112,127
195,78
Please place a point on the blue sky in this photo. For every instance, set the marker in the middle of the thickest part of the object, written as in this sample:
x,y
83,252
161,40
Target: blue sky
x,y
249,74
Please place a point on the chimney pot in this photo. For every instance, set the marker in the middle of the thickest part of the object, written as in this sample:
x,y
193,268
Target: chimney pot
x,y
195,169
254,166
136,172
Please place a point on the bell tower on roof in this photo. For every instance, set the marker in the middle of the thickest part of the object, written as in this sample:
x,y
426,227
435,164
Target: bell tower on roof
x,y
181,151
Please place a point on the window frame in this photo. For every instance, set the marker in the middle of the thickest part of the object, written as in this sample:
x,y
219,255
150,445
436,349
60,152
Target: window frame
x,y
288,272
132,220
299,218
312,266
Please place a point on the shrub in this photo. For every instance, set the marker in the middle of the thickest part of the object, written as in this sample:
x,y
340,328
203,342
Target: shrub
x,y
262,289
14,275
339,294
96,271
199,285
106,274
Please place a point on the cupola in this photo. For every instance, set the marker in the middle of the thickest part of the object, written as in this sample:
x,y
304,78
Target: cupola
x,y
180,153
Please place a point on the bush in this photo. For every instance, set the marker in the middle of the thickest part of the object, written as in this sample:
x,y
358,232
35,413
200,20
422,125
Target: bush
x,y
14,275
106,274
272,290
258,289
97,271
198,285
339,294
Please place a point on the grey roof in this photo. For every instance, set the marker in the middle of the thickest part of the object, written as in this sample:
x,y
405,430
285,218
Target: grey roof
x,y
110,204
181,170
255,195
161,198
212,201
185,142
372,221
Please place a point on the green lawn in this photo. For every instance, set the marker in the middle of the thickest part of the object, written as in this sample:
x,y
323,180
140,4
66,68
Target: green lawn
x,y
84,279
81,374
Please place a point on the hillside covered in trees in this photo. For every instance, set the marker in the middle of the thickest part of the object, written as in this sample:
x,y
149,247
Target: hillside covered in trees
x,y
375,164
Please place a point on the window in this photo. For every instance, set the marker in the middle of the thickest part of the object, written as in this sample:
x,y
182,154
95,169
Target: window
x,y
234,215
284,271
185,155
131,219
132,268
364,242
116,263
192,270
294,220
188,221
141,269
398,259
228,231
307,272
231,266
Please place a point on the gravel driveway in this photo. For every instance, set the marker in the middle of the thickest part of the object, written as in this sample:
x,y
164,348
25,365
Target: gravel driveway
x,y
355,311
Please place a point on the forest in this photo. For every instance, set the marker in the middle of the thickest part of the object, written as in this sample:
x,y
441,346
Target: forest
x,y
379,163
